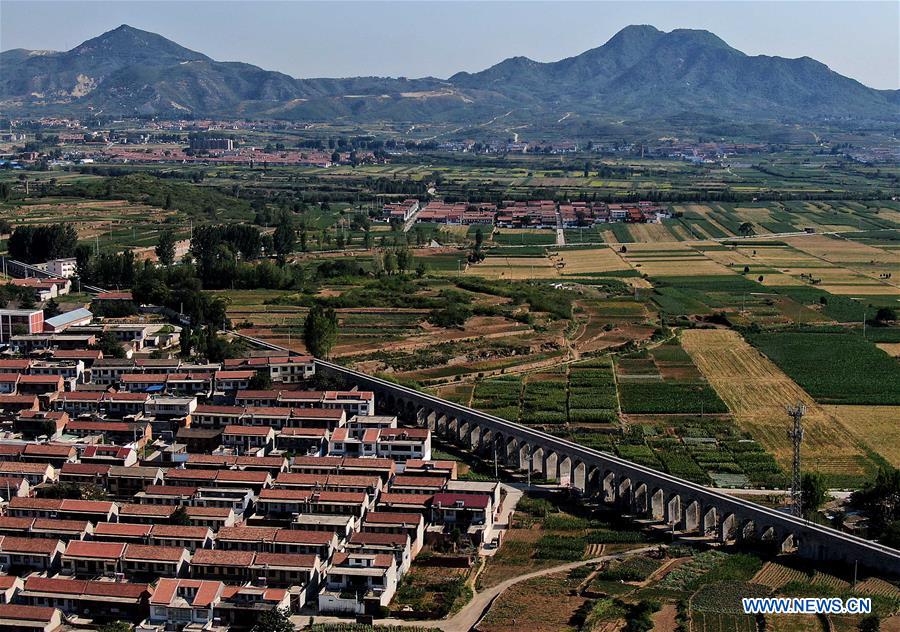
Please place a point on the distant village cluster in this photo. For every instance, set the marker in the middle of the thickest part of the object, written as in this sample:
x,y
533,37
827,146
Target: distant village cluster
x,y
233,143
524,214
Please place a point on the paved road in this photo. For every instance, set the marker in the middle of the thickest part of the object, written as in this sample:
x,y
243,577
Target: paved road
x,y
560,234
474,611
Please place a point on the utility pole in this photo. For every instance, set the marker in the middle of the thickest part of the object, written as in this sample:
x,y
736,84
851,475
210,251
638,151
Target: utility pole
x,y
796,413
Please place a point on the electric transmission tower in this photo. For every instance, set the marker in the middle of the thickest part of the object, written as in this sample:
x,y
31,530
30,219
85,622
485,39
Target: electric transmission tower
x,y
796,413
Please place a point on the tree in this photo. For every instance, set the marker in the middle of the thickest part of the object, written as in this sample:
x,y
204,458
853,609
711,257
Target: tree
x,y
74,491
51,309
746,229
390,262
285,236
404,259
165,247
891,535
83,256
260,381
33,244
813,492
276,620
110,345
320,330
180,517
870,623
115,626
26,301
885,315
880,500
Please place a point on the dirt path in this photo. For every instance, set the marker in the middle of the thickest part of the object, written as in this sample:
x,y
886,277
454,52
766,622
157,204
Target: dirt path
x,y
472,613
666,619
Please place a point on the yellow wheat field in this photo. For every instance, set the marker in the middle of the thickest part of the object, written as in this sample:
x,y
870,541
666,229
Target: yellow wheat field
x,y
875,426
840,250
517,268
651,233
890,348
602,259
757,392
678,266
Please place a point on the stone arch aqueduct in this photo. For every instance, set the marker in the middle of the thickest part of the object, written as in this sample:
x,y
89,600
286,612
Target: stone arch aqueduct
x,y
685,507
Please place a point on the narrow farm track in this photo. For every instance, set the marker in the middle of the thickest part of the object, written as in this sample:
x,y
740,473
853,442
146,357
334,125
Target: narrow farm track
x,y
474,611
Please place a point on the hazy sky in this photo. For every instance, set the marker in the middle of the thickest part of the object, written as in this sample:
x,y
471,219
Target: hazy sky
x,y
418,38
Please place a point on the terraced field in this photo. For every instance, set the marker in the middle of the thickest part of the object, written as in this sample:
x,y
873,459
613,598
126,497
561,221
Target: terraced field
x,y
775,575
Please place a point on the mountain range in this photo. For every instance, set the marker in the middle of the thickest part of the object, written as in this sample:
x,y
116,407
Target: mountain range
x,y
639,73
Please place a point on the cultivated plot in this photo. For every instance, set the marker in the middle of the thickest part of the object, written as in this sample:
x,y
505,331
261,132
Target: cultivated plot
x,y
757,392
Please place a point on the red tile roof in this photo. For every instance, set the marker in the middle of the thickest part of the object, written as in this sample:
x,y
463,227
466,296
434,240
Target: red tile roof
x,y
285,494
268,594
13,522
243,476
285,560
380,560
166,590
133,509
154,553
49,449
409,480
16,612
122,529
32,546
23,468
193,474
208,512
473,501
249,431
86,587
52,524
87,506
178,531
388,517
404,499
304,536
170,490
218,557
379,539
247,534
95,550
94,469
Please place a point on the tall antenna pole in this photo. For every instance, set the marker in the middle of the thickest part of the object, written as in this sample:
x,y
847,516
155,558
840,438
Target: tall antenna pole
x,y
796,413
